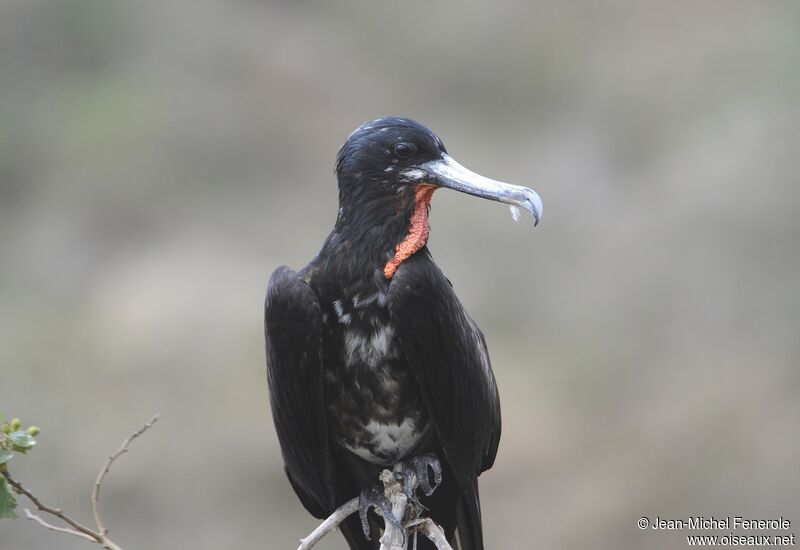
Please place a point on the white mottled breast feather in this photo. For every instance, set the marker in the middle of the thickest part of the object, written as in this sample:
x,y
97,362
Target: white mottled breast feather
x,y
388,440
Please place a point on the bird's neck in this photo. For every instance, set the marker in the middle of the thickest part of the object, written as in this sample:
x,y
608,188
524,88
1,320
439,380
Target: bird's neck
x,y
418,230
379,234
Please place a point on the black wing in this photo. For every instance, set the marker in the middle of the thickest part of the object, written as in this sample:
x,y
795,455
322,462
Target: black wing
x,y
294,375
447,353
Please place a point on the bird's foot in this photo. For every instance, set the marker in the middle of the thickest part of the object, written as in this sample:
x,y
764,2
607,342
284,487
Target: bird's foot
x,y
422,464
375,498
419,467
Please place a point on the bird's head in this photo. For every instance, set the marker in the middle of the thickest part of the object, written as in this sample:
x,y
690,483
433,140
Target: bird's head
x,y
388,170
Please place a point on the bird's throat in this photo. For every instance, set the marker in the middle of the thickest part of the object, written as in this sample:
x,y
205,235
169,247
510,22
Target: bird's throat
x,y
418,230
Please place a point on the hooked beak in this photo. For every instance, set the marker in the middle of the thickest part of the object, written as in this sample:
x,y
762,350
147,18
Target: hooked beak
x,y
446,172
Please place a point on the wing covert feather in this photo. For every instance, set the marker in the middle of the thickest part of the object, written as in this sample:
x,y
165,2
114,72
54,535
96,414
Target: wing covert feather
x,y
294,376
447,353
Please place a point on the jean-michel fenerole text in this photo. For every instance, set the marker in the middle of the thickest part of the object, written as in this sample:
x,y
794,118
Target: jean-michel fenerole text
x,y
721,523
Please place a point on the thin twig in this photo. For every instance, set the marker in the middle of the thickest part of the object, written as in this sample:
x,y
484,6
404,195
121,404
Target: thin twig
x,y
333,521
104,471
435,533
52,511
52,527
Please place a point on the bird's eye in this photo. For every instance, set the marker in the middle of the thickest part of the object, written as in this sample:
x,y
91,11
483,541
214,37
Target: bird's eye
x,y
405,150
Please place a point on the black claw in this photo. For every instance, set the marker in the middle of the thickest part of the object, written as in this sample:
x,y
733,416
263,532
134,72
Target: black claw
x,y
374,498
363,507
420,465
405,478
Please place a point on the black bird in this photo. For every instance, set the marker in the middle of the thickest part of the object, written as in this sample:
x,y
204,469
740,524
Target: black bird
x,y
371,357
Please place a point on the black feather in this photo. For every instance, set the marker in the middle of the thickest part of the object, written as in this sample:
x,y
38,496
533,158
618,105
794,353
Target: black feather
x,y
364,371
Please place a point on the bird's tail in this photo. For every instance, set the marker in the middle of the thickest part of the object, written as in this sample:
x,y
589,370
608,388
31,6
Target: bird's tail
x,y
468,518
455,508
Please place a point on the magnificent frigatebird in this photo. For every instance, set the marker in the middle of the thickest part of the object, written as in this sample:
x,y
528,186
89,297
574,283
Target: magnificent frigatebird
x,y
372,359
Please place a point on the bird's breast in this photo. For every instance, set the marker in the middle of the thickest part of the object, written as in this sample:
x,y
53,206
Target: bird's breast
x,y
373,402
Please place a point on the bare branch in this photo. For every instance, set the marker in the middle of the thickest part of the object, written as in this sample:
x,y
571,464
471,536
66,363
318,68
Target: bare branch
x,y
52,527
395,537
52,511
101,535
406,512
333,521
107,466
435,533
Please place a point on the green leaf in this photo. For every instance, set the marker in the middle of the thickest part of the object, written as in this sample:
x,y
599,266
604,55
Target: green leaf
x,y
21,439
5,456
7,500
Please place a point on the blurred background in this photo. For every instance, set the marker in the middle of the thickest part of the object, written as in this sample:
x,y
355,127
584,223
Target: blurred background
x,y
159,159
